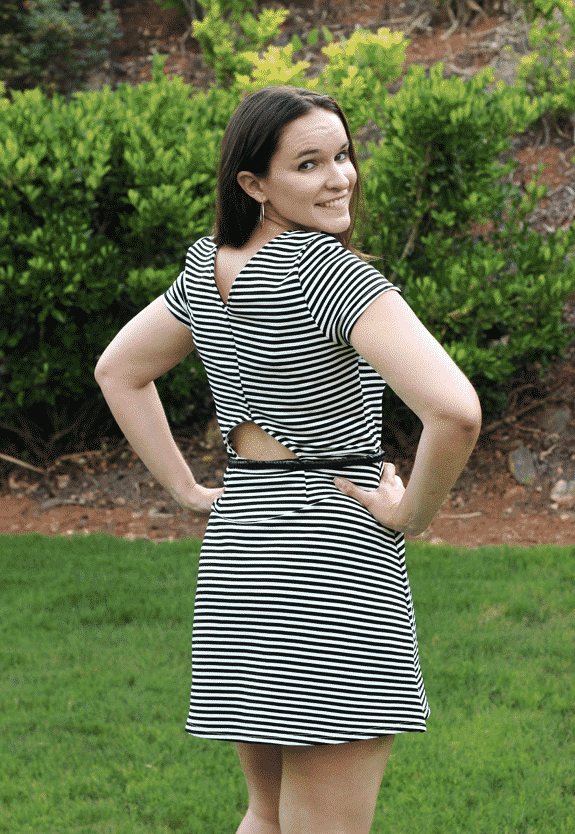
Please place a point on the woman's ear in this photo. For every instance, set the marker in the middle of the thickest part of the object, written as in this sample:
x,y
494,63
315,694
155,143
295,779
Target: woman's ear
x,y
251,185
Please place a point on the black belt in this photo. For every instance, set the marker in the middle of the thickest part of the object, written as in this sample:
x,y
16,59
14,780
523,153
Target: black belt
x,y
344,462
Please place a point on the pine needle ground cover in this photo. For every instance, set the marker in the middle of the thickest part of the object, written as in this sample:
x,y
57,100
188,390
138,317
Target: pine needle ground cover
x,y
95,654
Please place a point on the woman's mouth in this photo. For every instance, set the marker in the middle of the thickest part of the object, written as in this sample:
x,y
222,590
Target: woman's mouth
x,y
334,203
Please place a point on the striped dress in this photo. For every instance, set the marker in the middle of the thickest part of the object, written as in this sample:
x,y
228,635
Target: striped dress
x,y
304,631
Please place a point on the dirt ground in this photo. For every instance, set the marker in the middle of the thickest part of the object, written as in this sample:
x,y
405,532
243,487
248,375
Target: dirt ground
x,y
109,489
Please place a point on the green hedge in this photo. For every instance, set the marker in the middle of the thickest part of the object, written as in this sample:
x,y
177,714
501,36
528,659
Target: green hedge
x,y
100,196
495,301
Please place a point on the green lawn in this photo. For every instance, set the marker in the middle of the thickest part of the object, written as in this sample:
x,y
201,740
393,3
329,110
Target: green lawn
x,y
95,683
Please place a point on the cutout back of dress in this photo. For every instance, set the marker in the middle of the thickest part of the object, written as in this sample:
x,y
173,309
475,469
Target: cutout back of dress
x,y
248,439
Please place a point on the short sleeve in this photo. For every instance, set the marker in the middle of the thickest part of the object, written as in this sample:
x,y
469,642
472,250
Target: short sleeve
x,y
338,286
176,301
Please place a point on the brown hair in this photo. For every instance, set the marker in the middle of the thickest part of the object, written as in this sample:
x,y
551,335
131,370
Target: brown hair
x,y
250,141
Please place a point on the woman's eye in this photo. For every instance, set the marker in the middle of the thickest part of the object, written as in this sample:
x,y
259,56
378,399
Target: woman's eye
x,y
340,157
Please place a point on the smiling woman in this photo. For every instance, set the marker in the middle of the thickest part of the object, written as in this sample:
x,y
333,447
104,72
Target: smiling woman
x,y
311,179
304,644
271,142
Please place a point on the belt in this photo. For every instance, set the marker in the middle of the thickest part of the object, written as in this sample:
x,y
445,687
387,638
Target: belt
x,y
344,462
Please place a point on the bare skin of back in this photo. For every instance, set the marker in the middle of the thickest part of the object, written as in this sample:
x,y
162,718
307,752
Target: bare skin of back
x,y
252,442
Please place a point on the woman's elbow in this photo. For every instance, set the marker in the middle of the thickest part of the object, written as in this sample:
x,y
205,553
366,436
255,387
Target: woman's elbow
x,y
473,417
465,413
459,409
111,373
101,371
105,371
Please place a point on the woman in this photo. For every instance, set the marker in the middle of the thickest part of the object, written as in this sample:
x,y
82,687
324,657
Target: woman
x,y
304,645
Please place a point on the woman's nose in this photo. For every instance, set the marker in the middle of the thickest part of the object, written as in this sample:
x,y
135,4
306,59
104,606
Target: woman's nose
x,y
337,177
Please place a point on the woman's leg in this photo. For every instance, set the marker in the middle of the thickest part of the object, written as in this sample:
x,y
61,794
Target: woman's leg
x,y
262,766
332,788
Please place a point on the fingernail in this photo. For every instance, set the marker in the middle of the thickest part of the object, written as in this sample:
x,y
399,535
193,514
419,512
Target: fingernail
x,y
339,483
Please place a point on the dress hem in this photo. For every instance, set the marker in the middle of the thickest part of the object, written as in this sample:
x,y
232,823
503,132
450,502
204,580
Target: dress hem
x,y
301,742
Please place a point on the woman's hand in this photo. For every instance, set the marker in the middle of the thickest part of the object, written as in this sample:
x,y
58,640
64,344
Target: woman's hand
x,y
199,499
382,502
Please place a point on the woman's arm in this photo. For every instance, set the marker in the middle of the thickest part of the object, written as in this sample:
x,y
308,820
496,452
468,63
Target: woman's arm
x,y
148,346
394,342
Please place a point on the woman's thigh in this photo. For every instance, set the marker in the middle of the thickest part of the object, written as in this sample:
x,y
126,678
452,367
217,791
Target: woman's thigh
x,y
332,788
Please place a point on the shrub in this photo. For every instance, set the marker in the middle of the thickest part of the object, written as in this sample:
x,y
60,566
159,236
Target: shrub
x,y
50,44
100,196
356,73
360,69
494,301
548,70
225,35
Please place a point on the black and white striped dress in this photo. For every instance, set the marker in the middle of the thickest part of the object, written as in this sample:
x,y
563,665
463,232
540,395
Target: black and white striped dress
x,y
304,631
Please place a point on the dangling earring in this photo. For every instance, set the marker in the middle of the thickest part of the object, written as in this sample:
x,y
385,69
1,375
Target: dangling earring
x,y
262,214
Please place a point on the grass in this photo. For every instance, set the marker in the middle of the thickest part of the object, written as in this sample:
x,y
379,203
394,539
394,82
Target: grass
x,y
95,683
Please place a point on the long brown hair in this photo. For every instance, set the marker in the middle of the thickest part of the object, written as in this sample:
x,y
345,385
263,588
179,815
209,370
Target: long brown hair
x,y
250,141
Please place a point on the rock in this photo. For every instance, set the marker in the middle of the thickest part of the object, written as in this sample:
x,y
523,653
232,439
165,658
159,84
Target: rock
x,y
160,512
563,492
97,80
521,465
555,419
505,67
514,492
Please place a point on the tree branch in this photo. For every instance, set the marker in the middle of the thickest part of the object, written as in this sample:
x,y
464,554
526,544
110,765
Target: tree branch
x,y
22,463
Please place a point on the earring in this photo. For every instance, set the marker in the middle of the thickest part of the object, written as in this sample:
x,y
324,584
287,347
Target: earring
x,y
262,214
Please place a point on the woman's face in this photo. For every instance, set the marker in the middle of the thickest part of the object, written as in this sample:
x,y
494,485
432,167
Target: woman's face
x,y
311,178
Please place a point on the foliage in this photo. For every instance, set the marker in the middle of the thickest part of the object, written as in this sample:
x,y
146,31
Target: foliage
x,y
95,675
360,69
50,44
275,67
232,41
493,300
548,69
226,37
356,73
99,198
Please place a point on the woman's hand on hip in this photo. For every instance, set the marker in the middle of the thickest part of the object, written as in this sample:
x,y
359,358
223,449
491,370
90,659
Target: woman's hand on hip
x,y
199,499
382,502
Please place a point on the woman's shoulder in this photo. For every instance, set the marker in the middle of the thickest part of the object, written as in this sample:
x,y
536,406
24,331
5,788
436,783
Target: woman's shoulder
x,y
202,245
324,251
312,246
200,255
301,237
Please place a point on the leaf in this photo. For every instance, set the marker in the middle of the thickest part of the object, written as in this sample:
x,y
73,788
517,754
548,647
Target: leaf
x,y
327,35
312,37
296,43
